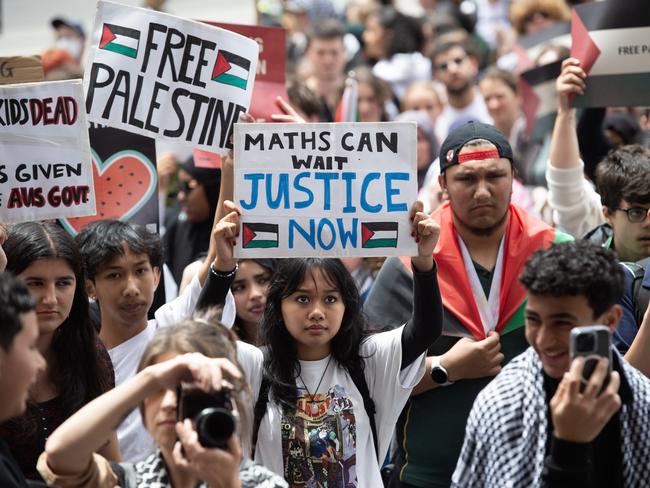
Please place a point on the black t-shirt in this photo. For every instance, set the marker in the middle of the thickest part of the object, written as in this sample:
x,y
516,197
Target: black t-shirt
x,y
10,474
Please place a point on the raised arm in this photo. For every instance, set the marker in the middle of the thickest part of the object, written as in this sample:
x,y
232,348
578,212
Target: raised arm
x,y
638,354
425,325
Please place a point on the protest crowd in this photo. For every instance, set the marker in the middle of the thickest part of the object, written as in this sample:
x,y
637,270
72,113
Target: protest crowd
x,y
348,246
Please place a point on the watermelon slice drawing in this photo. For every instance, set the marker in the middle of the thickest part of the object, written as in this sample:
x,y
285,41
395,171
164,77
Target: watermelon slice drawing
x,y
124,183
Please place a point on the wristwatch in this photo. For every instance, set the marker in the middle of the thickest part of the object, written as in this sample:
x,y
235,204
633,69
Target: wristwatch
x,y
439,374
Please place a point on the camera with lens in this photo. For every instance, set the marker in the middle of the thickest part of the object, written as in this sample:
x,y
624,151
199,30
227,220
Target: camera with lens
x,y
211,414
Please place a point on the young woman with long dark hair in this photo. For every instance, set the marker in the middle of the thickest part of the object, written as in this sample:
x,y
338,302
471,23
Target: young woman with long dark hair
x,y
315,429
78,368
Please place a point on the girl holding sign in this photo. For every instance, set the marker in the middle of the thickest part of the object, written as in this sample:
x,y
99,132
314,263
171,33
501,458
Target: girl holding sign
x,y
315,419
78,367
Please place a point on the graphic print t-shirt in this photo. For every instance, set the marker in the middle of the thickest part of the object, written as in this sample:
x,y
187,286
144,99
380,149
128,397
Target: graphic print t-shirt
x,y
327,441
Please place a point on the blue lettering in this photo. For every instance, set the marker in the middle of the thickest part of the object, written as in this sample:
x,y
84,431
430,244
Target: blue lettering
x,y
349,178
254,178
329,224
304,189
309,237
348,236
364,188
390,192
327,178
283,190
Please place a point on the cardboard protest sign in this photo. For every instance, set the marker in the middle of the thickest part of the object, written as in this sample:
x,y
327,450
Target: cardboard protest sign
x,y
21,69
325,189
165,77
539,100
44,152
271,66
612,40
125,179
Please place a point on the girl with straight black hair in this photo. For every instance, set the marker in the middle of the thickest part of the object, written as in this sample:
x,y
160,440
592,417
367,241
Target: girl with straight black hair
x,y
78,368
315,427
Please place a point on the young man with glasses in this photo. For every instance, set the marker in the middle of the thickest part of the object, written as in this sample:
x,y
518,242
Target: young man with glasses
x,y
455,66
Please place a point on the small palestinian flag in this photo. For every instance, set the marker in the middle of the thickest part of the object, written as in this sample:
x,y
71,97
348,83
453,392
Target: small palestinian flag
x,y
231,69
121,40
347,109
257,235
378,234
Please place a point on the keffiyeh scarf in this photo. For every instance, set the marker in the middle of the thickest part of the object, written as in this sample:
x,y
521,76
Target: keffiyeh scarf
x,y
507,429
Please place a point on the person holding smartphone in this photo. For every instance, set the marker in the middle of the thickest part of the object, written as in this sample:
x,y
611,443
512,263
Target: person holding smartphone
x,y
540,422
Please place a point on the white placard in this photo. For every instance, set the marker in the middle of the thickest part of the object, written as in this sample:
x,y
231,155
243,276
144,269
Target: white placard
x,y
45,170
325,189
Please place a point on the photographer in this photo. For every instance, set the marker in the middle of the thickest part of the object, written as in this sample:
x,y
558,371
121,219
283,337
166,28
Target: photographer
x,y
198,351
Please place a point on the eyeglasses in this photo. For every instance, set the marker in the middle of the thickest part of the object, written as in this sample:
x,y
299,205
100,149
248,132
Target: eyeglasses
x,y
635,214
457,61
187,186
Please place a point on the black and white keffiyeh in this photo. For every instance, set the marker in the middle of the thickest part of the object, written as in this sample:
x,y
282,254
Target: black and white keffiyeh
x,y
507,429
152,473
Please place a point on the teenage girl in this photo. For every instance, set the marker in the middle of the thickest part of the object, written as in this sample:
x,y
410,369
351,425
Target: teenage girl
x,y
78,367
314,430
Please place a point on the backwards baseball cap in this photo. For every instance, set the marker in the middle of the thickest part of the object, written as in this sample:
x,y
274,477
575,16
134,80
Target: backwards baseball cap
x,y
456,140
63,22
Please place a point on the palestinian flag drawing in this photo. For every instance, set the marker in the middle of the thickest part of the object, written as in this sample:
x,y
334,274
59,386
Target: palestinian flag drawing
x,y
258,235
231,69
611,39
120,40
537,89
378,234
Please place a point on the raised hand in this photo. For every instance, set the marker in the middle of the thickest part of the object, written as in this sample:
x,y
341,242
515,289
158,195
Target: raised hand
x,y
426,232
579,417
224,237
289,113
571,82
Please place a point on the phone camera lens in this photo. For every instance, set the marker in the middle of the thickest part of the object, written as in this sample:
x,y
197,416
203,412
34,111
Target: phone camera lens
x,y
586,342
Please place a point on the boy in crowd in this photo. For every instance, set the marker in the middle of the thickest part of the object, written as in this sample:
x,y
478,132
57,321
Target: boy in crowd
x,y
123,264
538,423
20,363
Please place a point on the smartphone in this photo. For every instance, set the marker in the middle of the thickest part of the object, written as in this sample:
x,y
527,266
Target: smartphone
x,y
592,342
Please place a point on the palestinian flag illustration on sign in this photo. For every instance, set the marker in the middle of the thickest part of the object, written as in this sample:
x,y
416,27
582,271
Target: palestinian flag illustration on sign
x,y
120,40
258,235
378,234
231,69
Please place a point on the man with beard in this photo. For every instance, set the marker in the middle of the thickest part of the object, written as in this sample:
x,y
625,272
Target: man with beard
x,y
455,66
484,243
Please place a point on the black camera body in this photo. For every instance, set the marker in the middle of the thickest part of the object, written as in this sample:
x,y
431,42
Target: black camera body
x,y
211,414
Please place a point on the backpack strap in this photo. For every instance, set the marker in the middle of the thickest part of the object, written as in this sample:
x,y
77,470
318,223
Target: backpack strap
x,y
359,380
259,410
640,294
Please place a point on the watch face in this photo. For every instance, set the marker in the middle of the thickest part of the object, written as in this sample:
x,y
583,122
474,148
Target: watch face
x,y
439,375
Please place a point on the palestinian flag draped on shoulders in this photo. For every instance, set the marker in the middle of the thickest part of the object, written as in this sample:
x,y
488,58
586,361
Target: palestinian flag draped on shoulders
x,y
524,235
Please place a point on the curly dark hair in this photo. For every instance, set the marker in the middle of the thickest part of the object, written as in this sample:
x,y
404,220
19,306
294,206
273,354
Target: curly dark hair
x,y
281,364
624,174
15,300
573,269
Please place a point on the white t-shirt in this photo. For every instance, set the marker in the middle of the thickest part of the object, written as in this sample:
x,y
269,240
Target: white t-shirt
x,y
476,110
135,442
333,432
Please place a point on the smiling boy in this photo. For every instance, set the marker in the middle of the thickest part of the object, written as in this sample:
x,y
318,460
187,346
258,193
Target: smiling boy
x,y
533,425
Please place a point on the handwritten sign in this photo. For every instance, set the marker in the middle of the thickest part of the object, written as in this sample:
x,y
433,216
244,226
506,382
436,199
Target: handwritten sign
x,y
45,168
165,77
325,189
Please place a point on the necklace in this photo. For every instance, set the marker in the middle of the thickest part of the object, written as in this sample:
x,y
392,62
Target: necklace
x,y
313,407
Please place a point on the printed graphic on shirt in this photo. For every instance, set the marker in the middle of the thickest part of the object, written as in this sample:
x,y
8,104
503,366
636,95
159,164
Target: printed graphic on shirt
x,y
319,441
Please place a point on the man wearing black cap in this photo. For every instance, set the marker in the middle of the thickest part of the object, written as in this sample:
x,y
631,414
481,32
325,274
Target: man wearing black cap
x,y
484,243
